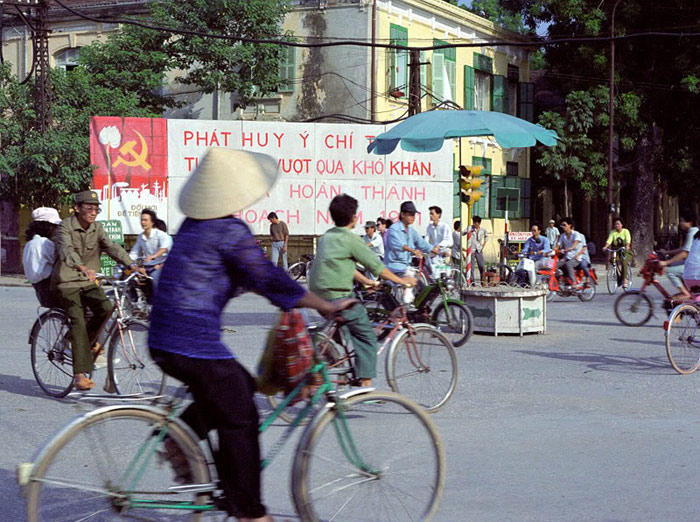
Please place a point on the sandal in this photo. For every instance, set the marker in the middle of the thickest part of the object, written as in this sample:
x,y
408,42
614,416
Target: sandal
x,y
82,383
97,349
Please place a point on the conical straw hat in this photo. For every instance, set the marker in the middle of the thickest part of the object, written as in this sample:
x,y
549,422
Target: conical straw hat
x,y
226,181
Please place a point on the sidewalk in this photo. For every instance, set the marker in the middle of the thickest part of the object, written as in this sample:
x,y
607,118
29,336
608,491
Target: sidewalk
x,y
13,280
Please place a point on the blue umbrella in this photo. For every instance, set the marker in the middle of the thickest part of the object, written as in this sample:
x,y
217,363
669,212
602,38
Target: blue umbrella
x,y
427,131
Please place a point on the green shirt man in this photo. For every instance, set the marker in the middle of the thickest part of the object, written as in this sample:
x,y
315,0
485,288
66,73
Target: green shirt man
x,y
332,274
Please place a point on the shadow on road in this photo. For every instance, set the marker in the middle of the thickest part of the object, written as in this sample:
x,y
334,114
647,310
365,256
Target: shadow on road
x,y
598,323
611,363
19,386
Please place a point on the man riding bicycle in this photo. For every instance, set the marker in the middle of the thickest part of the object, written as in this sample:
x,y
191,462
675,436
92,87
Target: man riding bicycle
x,y
404,241
80,240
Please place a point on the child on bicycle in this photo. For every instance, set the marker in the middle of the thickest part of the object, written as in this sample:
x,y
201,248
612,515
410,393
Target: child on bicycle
x,y
332,275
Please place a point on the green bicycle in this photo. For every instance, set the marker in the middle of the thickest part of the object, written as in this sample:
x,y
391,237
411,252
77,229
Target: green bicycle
x,y
365,455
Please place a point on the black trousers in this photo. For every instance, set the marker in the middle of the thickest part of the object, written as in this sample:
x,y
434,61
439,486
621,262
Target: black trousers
x,y
223,401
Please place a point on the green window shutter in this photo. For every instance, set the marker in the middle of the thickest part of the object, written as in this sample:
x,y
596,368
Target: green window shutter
x,y
398,59
438,88
526,107
468,88
526,201
423,71
498,102
451,68
288,69
496,186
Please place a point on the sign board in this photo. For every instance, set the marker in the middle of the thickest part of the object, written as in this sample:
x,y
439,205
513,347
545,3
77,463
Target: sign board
x,y
144,163
113,228
519,237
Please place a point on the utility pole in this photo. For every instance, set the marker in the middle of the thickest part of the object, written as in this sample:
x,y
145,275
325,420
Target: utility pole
x,y
42,85
611,124
414,86
35,14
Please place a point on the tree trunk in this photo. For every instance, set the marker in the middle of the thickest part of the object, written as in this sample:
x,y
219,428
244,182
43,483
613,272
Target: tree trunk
x,y
566,197
642,215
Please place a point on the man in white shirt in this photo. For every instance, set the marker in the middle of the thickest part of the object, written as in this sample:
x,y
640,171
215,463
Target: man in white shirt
x,y
552,233
438,234
374,241
39,253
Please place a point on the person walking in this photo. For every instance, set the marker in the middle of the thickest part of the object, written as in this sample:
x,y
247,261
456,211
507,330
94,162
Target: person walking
x,y
39,253
80,240
280,240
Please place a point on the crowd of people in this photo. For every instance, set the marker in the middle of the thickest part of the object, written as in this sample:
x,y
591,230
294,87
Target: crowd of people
x,y
215,258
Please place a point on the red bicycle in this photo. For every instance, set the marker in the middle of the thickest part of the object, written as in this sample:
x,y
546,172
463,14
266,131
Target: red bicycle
x,y
635,308
559,284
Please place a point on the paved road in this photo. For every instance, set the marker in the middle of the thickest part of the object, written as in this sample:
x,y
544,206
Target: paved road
x,y
588,422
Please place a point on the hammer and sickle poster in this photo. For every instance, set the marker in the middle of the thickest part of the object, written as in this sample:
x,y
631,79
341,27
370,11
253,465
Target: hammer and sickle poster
x,y
130,155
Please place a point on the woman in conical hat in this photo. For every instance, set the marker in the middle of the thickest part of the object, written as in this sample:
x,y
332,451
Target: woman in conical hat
x,y
213,259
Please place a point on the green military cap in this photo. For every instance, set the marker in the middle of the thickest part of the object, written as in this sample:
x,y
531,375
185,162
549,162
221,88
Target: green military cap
x,y
86,196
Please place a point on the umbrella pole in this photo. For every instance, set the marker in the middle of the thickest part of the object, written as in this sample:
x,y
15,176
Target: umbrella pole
x,y
461,214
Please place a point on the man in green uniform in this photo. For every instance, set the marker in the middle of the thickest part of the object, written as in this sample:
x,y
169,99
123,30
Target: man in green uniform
x,y
79,242
332,275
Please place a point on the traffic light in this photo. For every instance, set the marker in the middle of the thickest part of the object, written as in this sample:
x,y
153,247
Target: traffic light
x,y
469,181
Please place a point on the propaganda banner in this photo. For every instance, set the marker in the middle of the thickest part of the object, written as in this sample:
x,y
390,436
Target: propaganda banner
x,y
317,161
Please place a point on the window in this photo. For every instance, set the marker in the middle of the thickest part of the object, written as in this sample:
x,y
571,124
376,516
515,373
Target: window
x,y
67,59
288,68
483,72
512,168
444,72
511,104
398,61
526,101
482,91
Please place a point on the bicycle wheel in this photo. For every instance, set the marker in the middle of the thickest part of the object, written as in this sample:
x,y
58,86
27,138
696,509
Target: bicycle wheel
x,y
297,270
130,367
587,292
89,471
633,308
611,278
52,358
454,321
422,365
380,460
683,339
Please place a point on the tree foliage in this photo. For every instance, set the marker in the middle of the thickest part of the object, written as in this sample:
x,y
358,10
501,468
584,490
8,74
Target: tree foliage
x,y
245,68
45,168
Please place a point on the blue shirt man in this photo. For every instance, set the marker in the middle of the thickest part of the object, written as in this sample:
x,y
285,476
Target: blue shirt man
x,y
403,241
537,246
